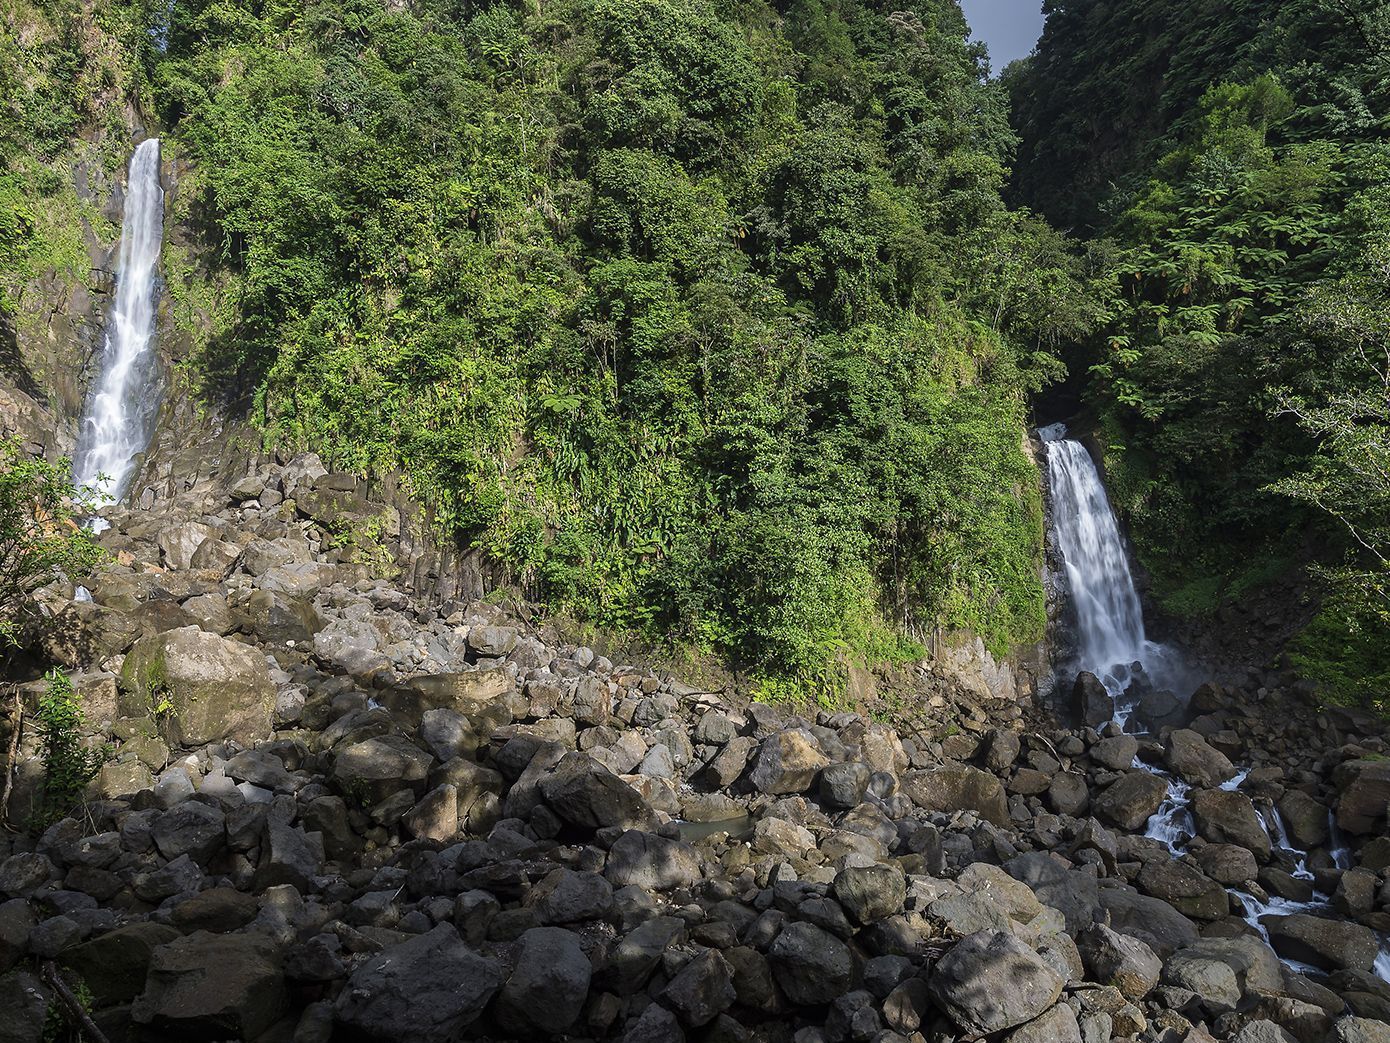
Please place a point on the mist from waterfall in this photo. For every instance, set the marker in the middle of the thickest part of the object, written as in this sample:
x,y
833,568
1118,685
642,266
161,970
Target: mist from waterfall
x,y
124,400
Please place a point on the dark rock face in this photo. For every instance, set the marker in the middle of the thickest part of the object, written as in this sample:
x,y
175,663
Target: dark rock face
x,y
1090,701
1131,800
208,986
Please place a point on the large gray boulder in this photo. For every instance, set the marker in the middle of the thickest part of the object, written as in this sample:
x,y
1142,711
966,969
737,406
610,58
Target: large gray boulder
x,y
1151,920
1227,817
651,862
959,787
425,990
1119,960
787,762
585,793
991,981
1196,763
1131,799
372,770
1091,701
1363,795
548,985
810,964
1329,944
212,986
205,688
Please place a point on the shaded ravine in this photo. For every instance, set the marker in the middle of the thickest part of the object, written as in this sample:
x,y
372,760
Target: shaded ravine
x,y
124,399
1113,645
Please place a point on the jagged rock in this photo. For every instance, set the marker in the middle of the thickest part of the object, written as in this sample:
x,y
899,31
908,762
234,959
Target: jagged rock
x,y
1363,794
870,893
1116,753
1057,1025
1226,817
991,981
212,987
23,1008
1262,1032
352,647
288,856
1185,889
1195,762
425,990
191,828
1330,944
1130,800
470,693
207,688
787,762
1119,960
651,862
16,923
1360,1030
1228,864
1002,751
810,964
701,990
632,959
178,543
1068,794
113,966
585,793
567,896
957,787
1074,894
843,785
655,1024
1151,920
1091,701
1306,819
548,985
372,770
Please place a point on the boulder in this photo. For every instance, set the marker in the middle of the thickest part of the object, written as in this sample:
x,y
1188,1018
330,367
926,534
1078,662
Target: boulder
x,y
469,692
1116,753
1329,944
1091,701
1363,793
352,647
959,787
113,966
1130,800
843,785
991,981
651,862
1118,960
1196,763
425,990
206,688
701,990
585,793
547,987
1228,817
1057,1025
1184,888
24,1005
372,770
1360,1030
1305,817
870,893
212,987
810,964
787,762
1151,920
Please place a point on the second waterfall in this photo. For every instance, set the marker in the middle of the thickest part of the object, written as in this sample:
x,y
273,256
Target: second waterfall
x,y
124,399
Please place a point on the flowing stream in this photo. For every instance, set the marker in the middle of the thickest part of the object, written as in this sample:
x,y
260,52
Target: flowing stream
x,y
1112,644
124,399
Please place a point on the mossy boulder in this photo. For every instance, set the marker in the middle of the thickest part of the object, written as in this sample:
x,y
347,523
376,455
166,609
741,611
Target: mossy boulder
x,y
201,687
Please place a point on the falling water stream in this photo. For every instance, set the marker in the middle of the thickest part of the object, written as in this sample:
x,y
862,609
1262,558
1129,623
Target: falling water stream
x,y
1113,645
124,399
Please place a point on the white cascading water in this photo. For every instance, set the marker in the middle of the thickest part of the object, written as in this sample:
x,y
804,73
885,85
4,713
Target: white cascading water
x,y
1111,638
123,401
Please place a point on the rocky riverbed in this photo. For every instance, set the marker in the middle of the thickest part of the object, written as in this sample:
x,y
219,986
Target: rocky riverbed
x,y
337,810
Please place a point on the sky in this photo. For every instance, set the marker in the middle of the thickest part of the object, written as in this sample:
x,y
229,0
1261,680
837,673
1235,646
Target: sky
x,y
1009,27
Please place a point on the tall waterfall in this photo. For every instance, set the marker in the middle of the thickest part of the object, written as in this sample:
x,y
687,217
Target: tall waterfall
x,y
1109,616
123,401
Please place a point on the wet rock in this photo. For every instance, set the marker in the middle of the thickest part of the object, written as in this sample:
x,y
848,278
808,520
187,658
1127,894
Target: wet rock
x,y
1330,944
1226,817
212,987
1363,795
1196,763
991,981
425,990
1228,864
207,687
1130,800
1091,701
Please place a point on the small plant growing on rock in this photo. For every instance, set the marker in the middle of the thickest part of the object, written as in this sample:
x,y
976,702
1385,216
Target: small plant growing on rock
x,y
39,535
68,766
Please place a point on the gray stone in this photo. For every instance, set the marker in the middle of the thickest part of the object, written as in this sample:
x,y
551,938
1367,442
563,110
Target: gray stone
x,y
651,862
585,793
871,893
811,965
1195,762
991,981
1330,944
1056,1025
1119,960
787,762
1130,800
701,990
548,985
212,986
959,787
425,990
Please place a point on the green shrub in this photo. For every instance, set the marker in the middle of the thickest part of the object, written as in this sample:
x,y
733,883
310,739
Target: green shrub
x,y
67,765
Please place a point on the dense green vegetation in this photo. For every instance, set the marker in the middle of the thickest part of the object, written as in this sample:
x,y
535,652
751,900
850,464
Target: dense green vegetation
x,y
1238,196
704,317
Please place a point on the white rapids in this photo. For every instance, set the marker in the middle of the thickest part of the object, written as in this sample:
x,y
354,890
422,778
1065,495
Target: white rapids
x,y
123,400
1113,645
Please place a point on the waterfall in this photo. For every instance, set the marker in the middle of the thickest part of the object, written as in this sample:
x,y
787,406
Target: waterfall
x,y
123,400
1109,617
